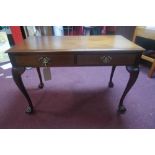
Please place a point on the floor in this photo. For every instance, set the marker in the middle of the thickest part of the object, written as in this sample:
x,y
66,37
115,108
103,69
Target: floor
x,y
78,98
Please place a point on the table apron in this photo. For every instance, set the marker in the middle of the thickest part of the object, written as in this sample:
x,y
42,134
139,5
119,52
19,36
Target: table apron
x,y
56,60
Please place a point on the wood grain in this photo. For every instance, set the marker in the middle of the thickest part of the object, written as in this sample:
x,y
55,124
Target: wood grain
x,y
75,51
75,44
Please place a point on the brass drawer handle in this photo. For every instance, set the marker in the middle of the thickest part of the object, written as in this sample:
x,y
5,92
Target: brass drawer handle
x,y
44,61
106,59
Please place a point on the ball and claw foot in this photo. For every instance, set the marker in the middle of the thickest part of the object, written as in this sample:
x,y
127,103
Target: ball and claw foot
x,y
111,85
41,85
29,110
121,109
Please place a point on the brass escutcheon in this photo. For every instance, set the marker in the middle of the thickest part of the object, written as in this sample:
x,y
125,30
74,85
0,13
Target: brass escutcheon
x,y
106,59
44,60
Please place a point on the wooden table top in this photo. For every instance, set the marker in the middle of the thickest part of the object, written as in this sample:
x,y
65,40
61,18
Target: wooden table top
x,y
75,43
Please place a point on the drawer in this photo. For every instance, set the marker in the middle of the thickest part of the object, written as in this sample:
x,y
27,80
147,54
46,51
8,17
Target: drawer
x,y
43,60
106,59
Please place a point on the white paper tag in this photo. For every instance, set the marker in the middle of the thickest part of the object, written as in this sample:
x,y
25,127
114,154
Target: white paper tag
x,y
47,73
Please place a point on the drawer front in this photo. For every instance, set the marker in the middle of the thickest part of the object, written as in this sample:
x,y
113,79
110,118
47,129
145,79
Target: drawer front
x,y
43,60
106,59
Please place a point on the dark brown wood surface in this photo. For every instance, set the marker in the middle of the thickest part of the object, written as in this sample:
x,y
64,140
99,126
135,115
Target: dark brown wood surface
x,y
75,43
74,51
49,51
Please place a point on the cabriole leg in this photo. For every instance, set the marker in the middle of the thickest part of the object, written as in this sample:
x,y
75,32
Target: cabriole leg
x,y
111,76
16,73
41,85
134,71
